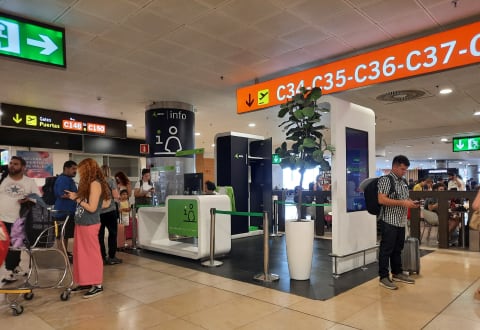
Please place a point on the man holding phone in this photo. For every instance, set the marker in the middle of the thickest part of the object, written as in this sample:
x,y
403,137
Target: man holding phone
x,y
63,204
393,219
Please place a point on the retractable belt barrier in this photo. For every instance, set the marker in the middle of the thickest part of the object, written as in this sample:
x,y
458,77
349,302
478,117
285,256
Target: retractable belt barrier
x,y
304,204
265,276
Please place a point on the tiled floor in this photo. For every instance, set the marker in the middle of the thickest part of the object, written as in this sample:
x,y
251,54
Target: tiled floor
x,y
147,294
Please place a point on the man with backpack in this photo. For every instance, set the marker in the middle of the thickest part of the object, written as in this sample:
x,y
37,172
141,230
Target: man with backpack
x,y
14,187
64,205
393,219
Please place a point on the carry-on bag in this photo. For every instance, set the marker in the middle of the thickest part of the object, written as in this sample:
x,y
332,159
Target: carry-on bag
x,y
411,255
120,236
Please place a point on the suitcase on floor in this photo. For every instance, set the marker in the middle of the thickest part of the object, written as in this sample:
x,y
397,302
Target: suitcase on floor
x,y
129,229
121,236
411,255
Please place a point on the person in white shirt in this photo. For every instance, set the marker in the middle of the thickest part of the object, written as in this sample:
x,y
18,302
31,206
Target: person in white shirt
x,y
13,190
455,182
144,189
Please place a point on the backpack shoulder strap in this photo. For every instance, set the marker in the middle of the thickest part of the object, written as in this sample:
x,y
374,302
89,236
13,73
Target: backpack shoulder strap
x,y
392,185
4,175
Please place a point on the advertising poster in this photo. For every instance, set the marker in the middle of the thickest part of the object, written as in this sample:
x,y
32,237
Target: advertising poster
x,y
39,163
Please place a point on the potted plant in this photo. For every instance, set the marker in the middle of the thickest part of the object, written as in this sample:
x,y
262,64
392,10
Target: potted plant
x,y
303,130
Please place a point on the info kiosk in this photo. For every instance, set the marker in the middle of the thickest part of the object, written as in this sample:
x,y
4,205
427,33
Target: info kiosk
x,y
182,226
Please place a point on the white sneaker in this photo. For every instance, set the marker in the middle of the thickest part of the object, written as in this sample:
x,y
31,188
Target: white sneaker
x,y
18,271
9,278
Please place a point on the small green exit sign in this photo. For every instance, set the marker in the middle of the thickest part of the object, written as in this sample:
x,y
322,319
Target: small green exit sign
x,y
276,159
469,143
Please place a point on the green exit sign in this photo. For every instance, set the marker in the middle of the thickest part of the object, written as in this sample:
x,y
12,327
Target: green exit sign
x,y
32,41
468,143
276,159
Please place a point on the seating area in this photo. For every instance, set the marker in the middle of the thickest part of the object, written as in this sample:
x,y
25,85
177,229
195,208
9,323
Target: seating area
x,y
429,220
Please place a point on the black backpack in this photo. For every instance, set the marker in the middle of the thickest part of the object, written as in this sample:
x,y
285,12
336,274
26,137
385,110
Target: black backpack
x,y
370,193
49,191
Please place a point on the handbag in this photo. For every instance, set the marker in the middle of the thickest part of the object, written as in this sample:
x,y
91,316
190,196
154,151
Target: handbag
x,y
475,221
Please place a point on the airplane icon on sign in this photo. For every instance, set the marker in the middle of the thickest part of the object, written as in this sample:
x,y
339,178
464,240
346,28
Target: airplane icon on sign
x,y
263,97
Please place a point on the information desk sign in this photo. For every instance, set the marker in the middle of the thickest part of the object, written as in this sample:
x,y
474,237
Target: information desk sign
x,y
32,41
445,50
469,143
183,217
49,120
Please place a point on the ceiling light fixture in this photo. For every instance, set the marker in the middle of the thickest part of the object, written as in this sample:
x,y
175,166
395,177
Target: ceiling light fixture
x,y
251,125
197,134
213,145
445,91
444,139
476,113
129,125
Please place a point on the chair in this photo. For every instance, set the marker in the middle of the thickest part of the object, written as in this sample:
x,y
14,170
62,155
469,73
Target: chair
x,y
430,220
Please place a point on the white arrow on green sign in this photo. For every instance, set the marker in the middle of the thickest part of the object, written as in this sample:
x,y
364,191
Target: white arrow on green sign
x,y
469,143
32,41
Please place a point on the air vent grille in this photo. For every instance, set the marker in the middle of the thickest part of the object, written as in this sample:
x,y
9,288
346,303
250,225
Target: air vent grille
x,y
401,95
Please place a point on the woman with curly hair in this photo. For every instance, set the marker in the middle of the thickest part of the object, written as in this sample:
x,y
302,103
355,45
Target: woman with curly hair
x,y
123,182
93,194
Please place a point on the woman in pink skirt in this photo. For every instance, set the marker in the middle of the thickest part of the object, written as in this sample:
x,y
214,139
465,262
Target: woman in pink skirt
x,y
93,193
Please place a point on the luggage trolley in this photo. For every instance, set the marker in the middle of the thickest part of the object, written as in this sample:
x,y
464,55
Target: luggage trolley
x,y
17,309
49,267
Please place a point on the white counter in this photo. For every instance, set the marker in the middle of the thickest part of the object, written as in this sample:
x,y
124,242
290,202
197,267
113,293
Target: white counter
x,y
153,226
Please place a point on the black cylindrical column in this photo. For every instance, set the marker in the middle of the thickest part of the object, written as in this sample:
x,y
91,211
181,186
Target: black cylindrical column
x,y
169,128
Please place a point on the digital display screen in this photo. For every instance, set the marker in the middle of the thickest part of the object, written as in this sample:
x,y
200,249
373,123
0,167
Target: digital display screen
x,y
193,183
357,167
58,121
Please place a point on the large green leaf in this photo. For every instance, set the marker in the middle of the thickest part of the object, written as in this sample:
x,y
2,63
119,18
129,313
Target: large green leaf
x,y
309,143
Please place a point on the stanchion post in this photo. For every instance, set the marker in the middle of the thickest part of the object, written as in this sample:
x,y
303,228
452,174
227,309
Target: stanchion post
x,y
211,262
275,232
266,276
134,228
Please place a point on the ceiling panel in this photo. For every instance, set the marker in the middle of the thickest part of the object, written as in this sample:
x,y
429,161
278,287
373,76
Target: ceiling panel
x,y
124,54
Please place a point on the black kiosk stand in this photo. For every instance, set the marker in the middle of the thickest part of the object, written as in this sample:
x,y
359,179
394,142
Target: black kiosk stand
x,y
244,162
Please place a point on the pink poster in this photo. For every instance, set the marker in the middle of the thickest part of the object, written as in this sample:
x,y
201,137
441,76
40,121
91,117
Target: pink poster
x,y
39,163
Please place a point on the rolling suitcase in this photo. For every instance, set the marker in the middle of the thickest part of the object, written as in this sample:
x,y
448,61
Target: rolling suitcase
x,y
121,236
411,255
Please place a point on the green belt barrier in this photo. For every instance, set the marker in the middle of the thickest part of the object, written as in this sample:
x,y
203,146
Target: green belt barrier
x,y
147,205
304,204
252,214
265,276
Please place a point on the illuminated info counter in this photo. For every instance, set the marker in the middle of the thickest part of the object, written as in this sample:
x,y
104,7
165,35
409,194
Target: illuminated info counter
x,y
182,226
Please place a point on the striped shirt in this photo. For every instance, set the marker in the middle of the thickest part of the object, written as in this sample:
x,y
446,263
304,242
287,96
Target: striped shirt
x,y
394,215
